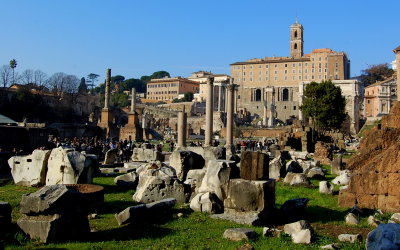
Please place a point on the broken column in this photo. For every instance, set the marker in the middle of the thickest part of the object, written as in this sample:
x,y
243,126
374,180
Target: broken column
x,y
133,101
209,112
265,116
182,124
229,122
106,123
107,91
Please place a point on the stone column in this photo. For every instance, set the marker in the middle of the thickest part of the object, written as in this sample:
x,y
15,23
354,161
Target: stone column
x,y
235,94
107,91
182,124
133,100
272,110
209,112
220,98
229,114
265,117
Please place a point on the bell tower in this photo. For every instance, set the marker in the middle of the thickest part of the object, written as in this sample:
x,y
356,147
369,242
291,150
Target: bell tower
x,y
296,40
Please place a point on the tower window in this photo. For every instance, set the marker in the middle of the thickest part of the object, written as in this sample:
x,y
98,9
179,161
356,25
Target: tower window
x,y
295,34
295,46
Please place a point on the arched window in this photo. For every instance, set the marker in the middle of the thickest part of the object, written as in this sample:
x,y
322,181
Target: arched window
x,y
258,95
285,95
295,34
295,46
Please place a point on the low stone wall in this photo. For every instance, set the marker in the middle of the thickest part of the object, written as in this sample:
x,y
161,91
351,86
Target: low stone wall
x,y
257,132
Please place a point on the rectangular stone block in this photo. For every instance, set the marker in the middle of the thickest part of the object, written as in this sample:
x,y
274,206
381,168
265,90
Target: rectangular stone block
x,y
367,201
389,203
393,184
254,166
250,196
346,199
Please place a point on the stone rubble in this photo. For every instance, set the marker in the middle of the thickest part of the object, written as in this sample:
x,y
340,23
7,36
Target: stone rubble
x,y
238,234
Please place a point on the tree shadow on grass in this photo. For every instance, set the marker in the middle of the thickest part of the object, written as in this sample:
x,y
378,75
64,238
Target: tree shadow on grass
x,y
115,189
317,214
131,231
112,207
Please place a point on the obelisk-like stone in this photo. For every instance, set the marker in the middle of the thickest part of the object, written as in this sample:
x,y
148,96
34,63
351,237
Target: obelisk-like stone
x,y
209,112
133,101
182,124
107,91
229,116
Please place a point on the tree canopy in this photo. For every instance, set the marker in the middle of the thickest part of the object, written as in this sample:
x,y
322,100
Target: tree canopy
x,y
374,73
325,104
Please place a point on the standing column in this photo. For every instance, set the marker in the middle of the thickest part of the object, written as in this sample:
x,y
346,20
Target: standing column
x,y
133,100
107,91
265,118
182,123
226,98
209,112
229,121
220,98
235,99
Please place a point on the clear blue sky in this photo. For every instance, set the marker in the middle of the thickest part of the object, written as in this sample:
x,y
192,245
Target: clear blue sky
x,y
136,38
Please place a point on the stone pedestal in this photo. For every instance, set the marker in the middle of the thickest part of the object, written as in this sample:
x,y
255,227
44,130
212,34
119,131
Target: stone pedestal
x,y
254,166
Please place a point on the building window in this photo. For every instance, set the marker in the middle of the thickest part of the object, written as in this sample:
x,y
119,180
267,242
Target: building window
x,y
299,77
244,79
266,72
244,73
251,72
251,66
294,65
295,34
306,64
319,77
251,79
276,65
276,72
294,107
285,65
305,71
305,77
285,95
266,78
276,78
266,66
285,78
259,66
319,70
295,46
258,95
294,71
285,71
244,67
293,77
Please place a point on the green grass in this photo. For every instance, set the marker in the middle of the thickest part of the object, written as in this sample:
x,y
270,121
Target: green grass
x,y
192,231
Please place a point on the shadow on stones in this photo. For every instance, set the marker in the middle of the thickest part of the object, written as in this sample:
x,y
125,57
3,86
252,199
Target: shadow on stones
x,y
114,189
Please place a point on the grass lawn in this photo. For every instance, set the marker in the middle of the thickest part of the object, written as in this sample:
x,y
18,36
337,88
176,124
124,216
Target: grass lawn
x,y
193,230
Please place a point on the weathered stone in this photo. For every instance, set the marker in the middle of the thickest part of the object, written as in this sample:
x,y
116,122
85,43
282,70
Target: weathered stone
x,y
206,203
302,237
209,153
144,212
294,207
277,168
30,170
295,179
156,168
372,221
246,246
147,155
54,199
55,228
154,188
216,179
5,215
296,227
315,173
111,156
299,155
129,180
385,236
183,161
254,166
293,167
70,167
351,219
238,234
194,179
247,218
323,153
336,165
249,196
325,187
352,238
330,246
271,232
343,178
395,217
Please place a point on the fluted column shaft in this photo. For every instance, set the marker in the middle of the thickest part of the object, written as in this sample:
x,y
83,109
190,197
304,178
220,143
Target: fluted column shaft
x,y
209,112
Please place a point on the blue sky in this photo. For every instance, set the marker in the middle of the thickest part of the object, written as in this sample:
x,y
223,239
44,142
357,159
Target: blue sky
x,y
136,38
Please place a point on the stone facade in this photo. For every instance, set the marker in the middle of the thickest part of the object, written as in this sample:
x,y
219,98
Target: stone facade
x,y
283,75
379,98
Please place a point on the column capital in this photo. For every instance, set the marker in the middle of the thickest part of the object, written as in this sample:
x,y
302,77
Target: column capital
x,y
210,80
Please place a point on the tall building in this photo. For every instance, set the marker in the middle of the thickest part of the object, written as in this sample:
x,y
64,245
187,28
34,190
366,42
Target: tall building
x,y
270,85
